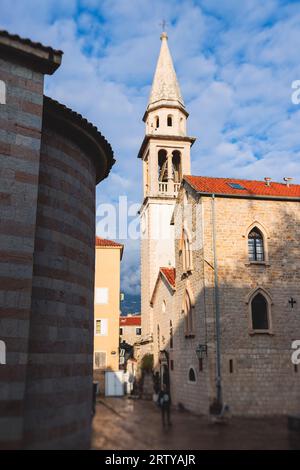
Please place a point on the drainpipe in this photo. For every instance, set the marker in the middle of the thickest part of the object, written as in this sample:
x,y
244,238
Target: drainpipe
x,y
217,309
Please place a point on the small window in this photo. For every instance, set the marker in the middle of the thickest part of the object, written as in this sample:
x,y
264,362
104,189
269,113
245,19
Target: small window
x,y
98,327
200,364
192,375
2,352
256,245
171,334
170,121
101,327
231,366
2,92
157,122
138,331
259,311
100,360
121,331
101,296
172,364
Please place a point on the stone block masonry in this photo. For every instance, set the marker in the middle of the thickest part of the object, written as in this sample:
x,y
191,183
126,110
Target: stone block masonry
x,y
50,162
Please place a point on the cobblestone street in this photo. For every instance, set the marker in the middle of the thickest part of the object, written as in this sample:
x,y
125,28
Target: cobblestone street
x,y
125,424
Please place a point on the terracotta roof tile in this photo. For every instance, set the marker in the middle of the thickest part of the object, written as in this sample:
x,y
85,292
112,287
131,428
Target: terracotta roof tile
x,y
170,275
130,321
107,243
204,184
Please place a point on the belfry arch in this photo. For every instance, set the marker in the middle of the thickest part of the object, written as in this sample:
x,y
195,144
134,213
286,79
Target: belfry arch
x,y
176,166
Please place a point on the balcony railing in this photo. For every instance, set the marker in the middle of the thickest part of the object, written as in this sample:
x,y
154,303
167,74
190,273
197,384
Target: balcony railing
x,y
163,187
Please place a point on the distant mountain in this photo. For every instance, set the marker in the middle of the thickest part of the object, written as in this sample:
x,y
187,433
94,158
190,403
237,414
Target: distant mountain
x,y
131,304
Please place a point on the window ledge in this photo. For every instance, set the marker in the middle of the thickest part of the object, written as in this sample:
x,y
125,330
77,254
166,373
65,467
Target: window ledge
x,y
261,332
257,263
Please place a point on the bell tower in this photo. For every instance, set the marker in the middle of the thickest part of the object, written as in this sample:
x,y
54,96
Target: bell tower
x,y
165,153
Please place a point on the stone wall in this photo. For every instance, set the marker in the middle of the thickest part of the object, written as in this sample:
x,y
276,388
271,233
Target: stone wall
x,y
262,379
50,162
20,136
59,378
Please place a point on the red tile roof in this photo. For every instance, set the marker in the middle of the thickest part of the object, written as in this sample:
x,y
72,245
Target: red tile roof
x,y
130,321
170,275
107,243
209,185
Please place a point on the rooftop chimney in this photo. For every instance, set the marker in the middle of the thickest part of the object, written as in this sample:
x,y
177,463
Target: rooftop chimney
x,y
287,180
268,180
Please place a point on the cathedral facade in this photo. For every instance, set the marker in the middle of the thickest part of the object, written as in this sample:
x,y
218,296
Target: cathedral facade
x,y
220,276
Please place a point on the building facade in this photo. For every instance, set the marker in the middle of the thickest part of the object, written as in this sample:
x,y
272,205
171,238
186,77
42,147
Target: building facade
x,y
50,162
224,315
107,308
130,329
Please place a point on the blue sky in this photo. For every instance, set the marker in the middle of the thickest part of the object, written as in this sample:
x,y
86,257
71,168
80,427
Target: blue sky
x,y
235,60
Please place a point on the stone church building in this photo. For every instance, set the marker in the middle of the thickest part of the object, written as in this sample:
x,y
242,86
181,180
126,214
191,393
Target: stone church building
x,y
220,274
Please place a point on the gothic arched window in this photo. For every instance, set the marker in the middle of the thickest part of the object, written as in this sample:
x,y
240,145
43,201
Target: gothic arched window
x,y
186,252
259,312
170,121
188,316
256,245
192,375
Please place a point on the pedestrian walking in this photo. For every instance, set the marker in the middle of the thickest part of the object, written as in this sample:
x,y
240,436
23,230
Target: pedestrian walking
x,y
164,401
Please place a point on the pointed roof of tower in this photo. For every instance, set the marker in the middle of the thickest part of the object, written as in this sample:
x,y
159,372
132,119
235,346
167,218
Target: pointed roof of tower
x,y
165,88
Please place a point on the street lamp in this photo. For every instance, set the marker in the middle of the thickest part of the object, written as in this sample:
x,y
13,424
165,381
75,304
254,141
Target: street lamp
x,y
201,351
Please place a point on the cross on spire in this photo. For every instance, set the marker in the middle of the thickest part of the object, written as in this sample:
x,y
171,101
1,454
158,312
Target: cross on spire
x,y
163,24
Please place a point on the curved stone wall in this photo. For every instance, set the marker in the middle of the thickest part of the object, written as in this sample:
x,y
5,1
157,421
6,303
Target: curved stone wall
x,y
59,376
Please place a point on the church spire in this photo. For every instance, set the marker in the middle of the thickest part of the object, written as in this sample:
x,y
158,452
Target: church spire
x,y
165,88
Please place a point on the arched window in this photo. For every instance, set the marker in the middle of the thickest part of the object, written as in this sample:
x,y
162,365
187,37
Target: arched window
x,y
259,312
192,375
188,316
170,121
156,122
186,252
162,166
256,245
176,166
